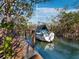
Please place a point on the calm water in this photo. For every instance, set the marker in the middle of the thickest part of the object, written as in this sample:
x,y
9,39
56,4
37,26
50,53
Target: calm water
x,y
58,50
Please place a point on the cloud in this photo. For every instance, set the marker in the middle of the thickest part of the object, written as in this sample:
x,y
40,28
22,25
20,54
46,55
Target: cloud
x,y
46,14
72,10
47,11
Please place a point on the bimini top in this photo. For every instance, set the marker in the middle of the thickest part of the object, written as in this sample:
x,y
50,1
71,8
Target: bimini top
x,y
41,27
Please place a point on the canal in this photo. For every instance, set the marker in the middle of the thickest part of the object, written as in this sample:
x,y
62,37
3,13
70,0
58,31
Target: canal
x,y
58,49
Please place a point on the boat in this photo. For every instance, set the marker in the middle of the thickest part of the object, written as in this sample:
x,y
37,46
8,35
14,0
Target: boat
x,y
43,34
36,56
31,53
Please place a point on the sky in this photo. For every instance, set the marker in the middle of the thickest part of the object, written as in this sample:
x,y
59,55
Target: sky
x,y
48,10
59,3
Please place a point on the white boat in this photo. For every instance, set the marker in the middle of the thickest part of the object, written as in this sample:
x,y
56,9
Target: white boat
x,y
43,34
49,37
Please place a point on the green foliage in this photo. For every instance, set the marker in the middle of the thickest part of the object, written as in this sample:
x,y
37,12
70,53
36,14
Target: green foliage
x,y
68,26
14,12
8,26
8,47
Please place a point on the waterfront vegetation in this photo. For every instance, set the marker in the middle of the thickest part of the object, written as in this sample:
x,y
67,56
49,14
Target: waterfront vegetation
x,y
14,18
10,39
68,26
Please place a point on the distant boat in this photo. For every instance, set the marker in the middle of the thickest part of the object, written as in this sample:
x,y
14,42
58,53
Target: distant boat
x,y
43,34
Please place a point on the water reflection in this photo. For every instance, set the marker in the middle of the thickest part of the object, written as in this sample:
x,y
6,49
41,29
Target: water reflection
x,y
58,51
49,46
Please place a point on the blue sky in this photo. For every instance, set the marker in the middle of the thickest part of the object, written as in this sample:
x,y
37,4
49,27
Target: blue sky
x,y
59,3
47,10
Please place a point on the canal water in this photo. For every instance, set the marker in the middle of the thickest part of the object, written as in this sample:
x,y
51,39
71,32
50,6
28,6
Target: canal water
x,y
58,49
